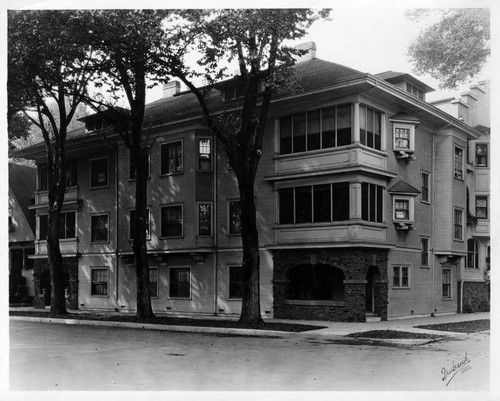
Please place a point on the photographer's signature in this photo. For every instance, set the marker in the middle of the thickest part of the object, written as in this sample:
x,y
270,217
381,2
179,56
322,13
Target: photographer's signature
x,y
461,366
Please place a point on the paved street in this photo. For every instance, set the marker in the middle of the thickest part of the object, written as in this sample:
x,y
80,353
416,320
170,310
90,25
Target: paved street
x,y
65,357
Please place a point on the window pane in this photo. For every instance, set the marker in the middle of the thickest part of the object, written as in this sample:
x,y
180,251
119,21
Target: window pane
x,y
71,172
404,277
286,135
171,221
153,282
303,205
205,219
132,223
99,228
313,130
458,224
171,158
344,125
425,187
482,154
322,203
364,201
180,283
380,204
69,227
99,173
328,127
286,205
401,209
362,124
299,132
205,154
369,128
99,282
481,207
396,279
377,130
235,282
234,217
458,163
44,223
340,201
402,138
424,256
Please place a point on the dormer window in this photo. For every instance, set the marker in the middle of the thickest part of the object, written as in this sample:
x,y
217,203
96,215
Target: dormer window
x,y
233,92
414,91
95,125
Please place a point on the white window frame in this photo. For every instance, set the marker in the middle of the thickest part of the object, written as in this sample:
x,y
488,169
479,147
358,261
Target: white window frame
x,y
475,254
458,174
106,268
487,207
91,174
211,219
450,295
400,276
182,156
427,253
190,282
161,220
422,173
157,281
229,233
229,267
455,209
487,154
107,235
411,139
411,208
211,154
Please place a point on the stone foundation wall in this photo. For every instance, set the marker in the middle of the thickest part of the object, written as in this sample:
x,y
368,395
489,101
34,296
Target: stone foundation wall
x,y
353,262
70,265
476,297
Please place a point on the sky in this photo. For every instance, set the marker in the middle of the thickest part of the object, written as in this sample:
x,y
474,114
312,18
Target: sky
x,y
369,39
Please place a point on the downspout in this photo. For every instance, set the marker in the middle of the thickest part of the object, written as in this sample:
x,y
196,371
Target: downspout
x,y
116,227
433,231
215,225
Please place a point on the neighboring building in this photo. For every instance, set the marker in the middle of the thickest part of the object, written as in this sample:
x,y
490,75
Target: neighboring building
x,y
360,194
473,108
22,181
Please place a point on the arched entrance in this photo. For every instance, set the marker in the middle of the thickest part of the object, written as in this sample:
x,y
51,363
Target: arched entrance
x,y
372,275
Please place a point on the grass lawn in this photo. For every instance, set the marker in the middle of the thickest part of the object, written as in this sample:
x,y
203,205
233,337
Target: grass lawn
x,y
471,326
394,335
167,320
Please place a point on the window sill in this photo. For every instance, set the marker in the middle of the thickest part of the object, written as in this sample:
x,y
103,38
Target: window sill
x,y
401,288
180,298
172,237
446,299
100,187
99,242
425,267
171,174
99,296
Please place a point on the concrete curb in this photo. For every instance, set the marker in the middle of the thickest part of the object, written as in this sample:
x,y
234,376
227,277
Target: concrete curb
x,y
159,327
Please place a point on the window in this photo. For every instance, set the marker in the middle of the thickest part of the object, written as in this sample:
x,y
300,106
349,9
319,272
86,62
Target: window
x,y
95,125
447,283
132,172
370,126
472,254
424,252
180,282
414,91
458,216
400,277
99,173
171,158
315,283
99,282
153,282
482,207
235,282
481,154
459,163
233,92
171,221
43,177
425,187
234,217
99,227
204,154
67,223
402,138
314,204
71,172
371,202
204,219
401,209
316,129
132,224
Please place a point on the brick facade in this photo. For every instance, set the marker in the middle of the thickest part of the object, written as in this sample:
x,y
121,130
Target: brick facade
x,y
354,263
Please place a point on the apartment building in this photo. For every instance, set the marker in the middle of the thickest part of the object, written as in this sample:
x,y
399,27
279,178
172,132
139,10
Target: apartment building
x,y
361,198
473,108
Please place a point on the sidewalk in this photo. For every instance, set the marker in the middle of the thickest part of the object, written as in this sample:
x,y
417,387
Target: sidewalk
x,y
332,330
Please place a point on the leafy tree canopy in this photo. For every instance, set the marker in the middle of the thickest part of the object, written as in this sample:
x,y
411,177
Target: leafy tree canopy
x,y
454,48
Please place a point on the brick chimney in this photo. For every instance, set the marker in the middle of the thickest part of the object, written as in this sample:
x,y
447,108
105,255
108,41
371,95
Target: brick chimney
x,y
311,51
171,88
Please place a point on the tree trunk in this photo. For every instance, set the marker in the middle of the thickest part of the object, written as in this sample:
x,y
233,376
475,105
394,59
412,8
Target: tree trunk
x,y
250,307
144,308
